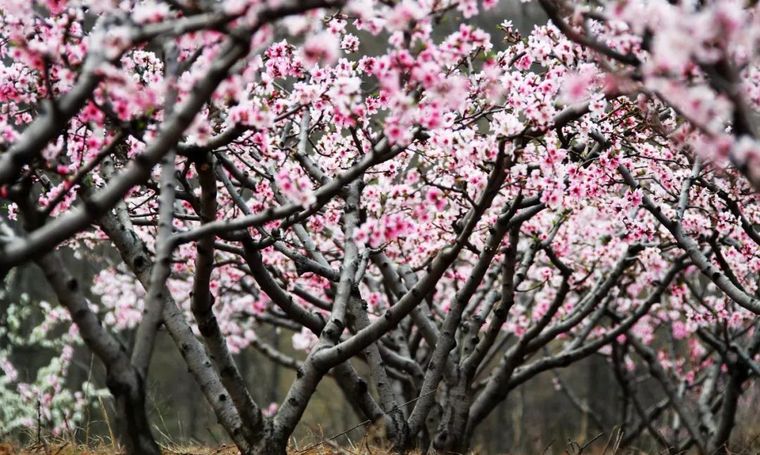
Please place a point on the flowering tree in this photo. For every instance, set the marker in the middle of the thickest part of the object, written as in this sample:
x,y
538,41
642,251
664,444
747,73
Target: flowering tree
x,y
461,213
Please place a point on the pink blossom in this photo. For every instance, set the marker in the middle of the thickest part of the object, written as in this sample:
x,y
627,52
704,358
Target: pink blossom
x,y
577,86
322,48
403,13
350,43
679,330
434,197
304,340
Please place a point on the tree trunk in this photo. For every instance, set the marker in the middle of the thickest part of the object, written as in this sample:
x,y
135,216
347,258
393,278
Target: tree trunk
x,y
272,443
122,378
727,416
128,390
451,435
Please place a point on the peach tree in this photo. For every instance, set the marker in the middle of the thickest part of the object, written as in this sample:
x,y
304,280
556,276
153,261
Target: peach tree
x,y
460,209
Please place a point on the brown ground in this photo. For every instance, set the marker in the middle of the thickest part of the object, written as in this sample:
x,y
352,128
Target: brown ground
x,y
104,449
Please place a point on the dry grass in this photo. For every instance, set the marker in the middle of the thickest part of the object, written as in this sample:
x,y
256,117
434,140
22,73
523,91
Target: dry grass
x,y
105,447
68,448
